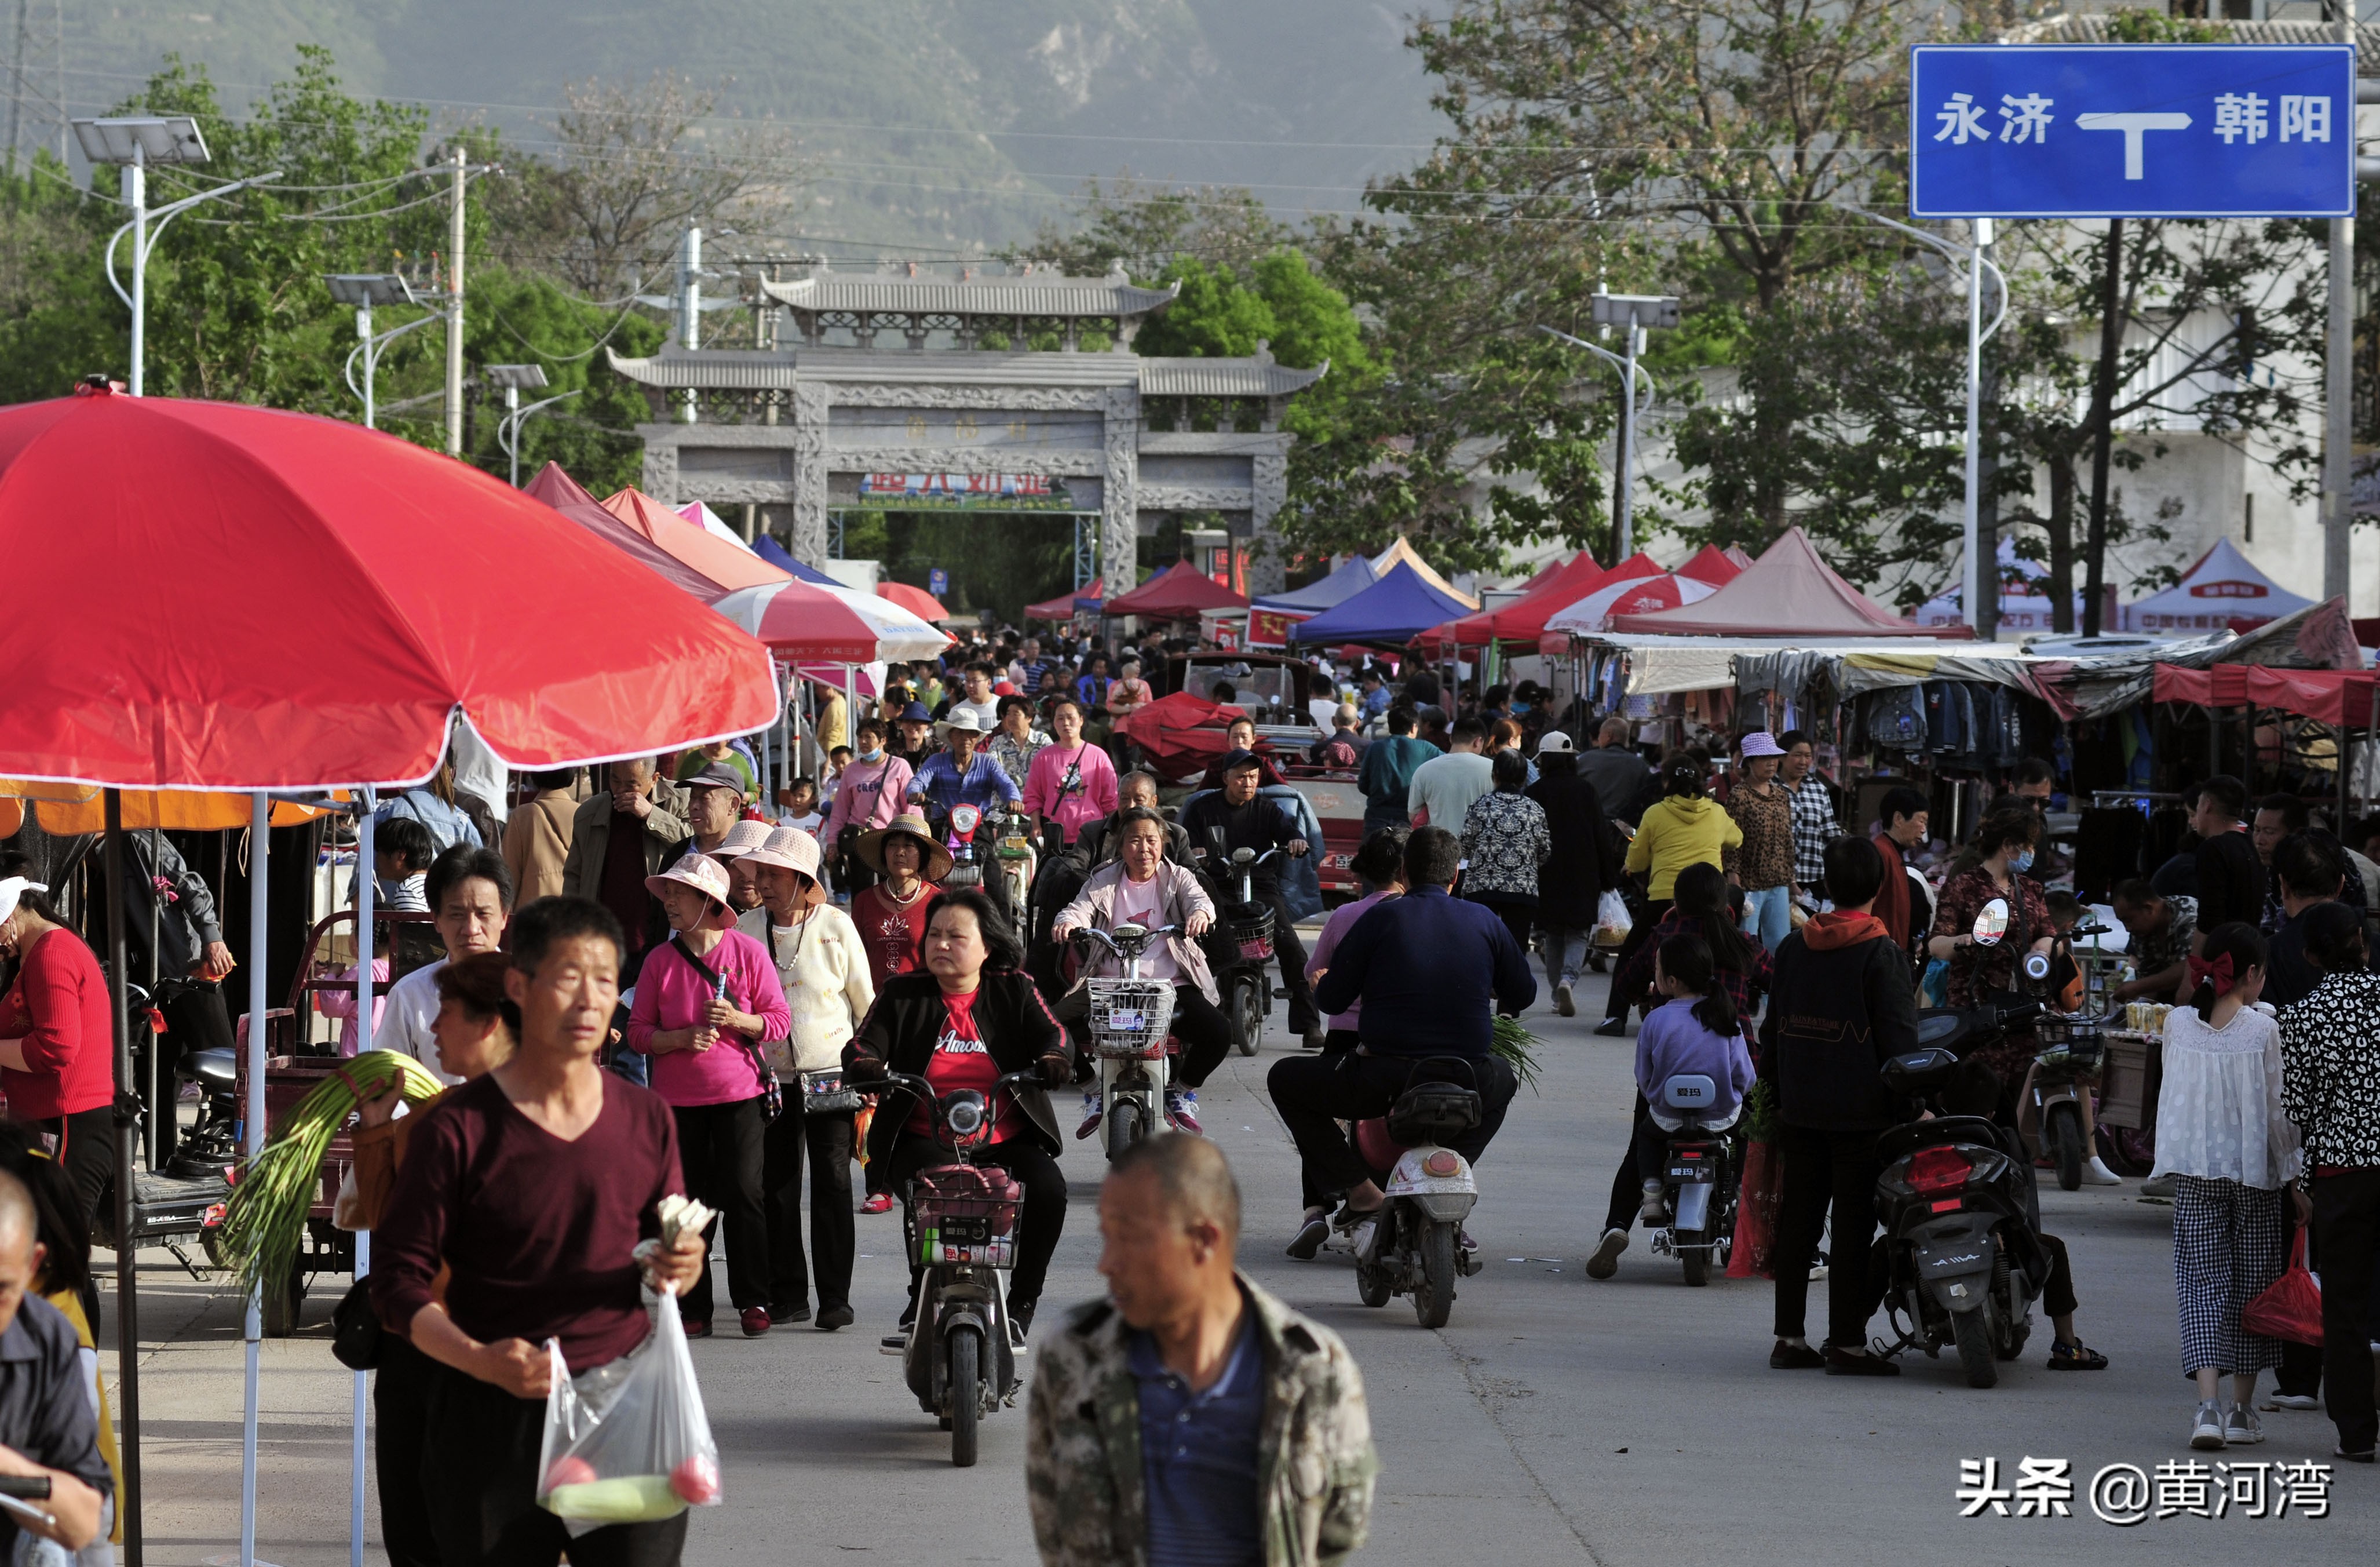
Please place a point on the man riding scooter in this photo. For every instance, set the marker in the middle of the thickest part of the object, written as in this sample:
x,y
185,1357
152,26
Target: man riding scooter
x,y
1429,968
1244,820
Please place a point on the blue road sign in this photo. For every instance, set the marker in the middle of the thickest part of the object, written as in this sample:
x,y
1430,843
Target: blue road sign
x,y
2174,130
937,582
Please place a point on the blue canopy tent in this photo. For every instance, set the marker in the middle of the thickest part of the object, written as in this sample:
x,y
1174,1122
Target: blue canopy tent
x,y
769,550
1390,613
1333,591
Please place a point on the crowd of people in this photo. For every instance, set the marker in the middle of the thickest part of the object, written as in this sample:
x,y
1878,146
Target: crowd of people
x,y
769,973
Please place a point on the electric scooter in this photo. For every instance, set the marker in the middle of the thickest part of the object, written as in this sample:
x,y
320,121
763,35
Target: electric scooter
x,y
1131,1020
1699,1183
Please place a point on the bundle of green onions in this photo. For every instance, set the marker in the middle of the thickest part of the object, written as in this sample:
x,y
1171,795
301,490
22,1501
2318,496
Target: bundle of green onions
x,y
266,1216
1518,1046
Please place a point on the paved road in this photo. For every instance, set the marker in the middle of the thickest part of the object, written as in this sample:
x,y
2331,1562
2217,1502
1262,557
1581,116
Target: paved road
x,y
1555,1420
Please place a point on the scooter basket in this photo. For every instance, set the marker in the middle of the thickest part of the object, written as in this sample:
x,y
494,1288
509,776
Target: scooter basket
x,y
1251,929
1433,1112
1130,1018
966,1213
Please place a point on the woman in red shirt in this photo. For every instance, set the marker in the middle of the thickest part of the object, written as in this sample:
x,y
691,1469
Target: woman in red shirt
x,y
57,1035
891,919
971,1018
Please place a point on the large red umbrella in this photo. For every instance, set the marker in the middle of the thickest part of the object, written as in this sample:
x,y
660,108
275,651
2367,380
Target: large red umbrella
x,y
204,595
916,601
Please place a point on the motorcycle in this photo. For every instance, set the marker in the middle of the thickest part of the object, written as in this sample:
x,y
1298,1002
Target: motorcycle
x,y
2053,1110
1699,1183
960,1225
1243,978
1413,1246
975,856
1130,1018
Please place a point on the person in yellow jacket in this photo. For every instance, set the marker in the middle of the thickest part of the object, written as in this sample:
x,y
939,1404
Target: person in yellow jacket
x,y
1684,827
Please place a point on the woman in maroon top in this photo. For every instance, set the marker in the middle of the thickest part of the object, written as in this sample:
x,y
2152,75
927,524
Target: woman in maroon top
x,y
535,1185
891,916
57,1035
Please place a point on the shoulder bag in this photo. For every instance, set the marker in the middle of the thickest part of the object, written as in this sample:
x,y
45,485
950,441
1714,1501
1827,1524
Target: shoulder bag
x,y
773,1097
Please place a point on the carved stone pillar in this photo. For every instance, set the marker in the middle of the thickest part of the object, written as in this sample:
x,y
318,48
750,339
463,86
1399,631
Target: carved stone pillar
x,y
809,541
659,478
1269,572
1120,509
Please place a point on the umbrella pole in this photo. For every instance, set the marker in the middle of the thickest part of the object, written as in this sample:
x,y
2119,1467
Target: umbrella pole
x,y
252,1119
364,889
127,1325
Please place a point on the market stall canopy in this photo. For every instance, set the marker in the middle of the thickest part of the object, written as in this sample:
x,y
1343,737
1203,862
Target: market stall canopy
x,y
294,603
1635,595
2220,589
711,522
2318,637
916,601
1657,666
1180,735
803,621
1350,578
1523,619
1390,613
1066,606
1789,590
777,555
66,811
728,564
1712,564
2331,695
560,492
1179,592
1403,553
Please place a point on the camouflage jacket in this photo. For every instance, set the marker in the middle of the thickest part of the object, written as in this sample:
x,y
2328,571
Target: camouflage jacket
x,y
1083,1470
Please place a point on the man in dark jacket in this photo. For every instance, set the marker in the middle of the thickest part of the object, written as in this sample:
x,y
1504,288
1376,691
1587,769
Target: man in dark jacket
x,y
1238,817
1429,968
1841,1006
1615,769
2230,877
172,931
1570,885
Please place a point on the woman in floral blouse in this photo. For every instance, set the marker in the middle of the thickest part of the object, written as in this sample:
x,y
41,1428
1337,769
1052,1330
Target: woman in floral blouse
x,y
1763,864
1993,867
1504,840
1016,744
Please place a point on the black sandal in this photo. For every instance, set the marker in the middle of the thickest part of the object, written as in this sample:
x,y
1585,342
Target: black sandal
x,y
2075,1356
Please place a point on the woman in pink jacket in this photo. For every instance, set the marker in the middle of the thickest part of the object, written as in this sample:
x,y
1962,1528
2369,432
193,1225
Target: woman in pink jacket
x,y
690,1016
1071,781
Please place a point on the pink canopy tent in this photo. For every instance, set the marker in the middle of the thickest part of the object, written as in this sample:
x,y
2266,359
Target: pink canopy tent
x,y
1716,566
1523,619
730,566
1789,591
565,494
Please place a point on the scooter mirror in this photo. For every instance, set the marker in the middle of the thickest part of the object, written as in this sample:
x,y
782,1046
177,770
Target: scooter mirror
x,y
1991,923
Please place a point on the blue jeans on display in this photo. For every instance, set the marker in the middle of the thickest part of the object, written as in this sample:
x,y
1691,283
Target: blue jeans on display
x,y
1564,951
1768,916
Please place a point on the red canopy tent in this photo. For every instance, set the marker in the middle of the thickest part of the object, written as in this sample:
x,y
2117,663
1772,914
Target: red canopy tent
x,y
730,566
916,601
1180,592
1066,606
565,494
2328,696
1523,619
1789,591
1712,564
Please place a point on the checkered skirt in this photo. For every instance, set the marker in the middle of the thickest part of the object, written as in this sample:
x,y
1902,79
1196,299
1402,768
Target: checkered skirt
x,y
2229,1244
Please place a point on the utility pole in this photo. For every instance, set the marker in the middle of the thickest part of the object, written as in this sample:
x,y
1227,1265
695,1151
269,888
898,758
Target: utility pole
x,y
689,304
455,309
2102,409
2338,380
1983,553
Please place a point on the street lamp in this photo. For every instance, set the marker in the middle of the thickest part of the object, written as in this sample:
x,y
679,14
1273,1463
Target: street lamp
x,y
136,143
513,378
363,290
1976,263
1634,313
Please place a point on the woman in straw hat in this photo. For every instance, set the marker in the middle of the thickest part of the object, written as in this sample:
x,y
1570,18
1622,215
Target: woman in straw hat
x,y
822,967
705,1000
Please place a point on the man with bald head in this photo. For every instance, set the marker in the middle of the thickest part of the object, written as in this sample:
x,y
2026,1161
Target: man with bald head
x,y
1204,1375
48,1430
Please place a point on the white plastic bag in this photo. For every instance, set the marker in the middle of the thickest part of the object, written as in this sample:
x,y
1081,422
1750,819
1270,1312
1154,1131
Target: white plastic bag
x,y
628,1442
1612,922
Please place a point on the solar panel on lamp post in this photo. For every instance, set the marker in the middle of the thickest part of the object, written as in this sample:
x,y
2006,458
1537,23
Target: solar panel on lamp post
x,y
513,379
364,291
136,142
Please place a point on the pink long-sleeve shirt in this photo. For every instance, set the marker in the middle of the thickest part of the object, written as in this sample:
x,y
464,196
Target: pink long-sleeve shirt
x,y
859,802
1092,796
672,994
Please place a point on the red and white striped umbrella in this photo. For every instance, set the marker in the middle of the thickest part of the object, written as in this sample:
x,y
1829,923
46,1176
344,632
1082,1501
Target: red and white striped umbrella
x,y
803,620
1642,595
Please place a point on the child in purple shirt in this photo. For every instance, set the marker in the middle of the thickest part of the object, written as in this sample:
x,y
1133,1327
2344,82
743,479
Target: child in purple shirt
x,y
1695,1031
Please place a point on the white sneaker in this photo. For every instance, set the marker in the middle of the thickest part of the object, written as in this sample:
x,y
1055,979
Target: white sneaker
x,y
1606,1260
1655,1207
2291,1400
2206,1428
2096,1173
2157,1187
2241,1427
1094,1111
